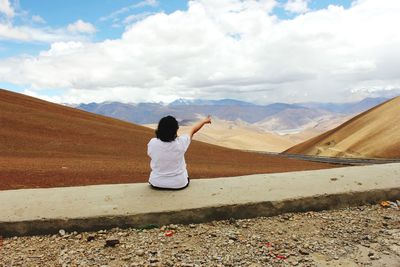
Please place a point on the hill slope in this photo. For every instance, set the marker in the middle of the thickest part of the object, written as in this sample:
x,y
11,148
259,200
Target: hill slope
x,y
238,135
374,133
45,145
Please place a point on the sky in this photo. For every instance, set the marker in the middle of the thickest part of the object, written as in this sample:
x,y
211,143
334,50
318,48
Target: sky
x,y
261,51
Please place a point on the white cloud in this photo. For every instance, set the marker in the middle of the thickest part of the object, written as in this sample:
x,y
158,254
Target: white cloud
x,y
38,19
152,3
114,15
80,26
9,31
297,6
136,17
227,48
6,8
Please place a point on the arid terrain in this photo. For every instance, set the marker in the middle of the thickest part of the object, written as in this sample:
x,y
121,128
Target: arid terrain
x,y
47,145
238,135
244,136
317,129
372,134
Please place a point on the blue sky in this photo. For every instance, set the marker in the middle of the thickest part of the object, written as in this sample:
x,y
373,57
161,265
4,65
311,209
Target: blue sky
x,y
36,36
60,13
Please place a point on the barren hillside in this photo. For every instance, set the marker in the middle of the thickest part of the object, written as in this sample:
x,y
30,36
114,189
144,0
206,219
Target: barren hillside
x,y
238,135
374,133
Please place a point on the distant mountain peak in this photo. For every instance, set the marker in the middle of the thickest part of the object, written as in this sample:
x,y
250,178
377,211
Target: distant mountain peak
x,y
181,102
205,102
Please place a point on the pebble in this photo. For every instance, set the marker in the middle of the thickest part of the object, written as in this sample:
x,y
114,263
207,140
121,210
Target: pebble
x,y
286,240
140,252
111,242
90,238
153,260
304,251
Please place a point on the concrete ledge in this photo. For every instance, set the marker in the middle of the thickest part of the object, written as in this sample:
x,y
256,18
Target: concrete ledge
x,y
44,211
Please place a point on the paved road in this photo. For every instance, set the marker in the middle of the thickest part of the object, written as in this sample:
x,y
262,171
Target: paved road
x,y
333,160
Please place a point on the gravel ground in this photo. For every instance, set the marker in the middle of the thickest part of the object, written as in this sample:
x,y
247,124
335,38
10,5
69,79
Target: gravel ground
x,y
358,236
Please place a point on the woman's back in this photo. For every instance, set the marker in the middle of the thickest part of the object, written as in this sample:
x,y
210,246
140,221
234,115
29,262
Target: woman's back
x,y
167,153
168,162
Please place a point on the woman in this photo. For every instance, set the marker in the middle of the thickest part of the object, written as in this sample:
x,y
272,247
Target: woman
x,y
168,166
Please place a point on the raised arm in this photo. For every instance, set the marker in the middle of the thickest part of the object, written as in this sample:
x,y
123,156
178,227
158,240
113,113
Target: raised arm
x,y
198,126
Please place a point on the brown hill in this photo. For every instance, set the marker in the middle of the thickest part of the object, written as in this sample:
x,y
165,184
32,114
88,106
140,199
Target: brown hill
x,y
46,145
372,134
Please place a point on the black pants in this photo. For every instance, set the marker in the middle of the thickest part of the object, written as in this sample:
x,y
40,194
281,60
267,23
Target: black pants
x,y
162,188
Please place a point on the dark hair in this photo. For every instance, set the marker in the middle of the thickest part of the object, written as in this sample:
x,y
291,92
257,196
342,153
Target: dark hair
x,y
167,129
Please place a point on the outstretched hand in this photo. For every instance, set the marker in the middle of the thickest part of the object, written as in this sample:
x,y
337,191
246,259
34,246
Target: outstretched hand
x,y
207,119
200,124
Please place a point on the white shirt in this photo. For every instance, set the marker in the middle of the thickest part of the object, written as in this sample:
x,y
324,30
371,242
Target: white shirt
x,y
168,166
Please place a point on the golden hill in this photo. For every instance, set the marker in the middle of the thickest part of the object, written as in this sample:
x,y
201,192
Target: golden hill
x,y
372,134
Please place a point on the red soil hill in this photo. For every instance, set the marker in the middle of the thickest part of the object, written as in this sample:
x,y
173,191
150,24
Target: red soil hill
x,y
48,145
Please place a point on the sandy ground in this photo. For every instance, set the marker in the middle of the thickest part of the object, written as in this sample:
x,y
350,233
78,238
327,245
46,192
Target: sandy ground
x,y
358,236
49,145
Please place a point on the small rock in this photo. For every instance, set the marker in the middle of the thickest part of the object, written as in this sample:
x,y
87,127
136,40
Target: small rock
x,y
374,257
367,237
153,260
173,226
140,252
61,232
304,251
90,238
169,263
126,258
111,242
233,237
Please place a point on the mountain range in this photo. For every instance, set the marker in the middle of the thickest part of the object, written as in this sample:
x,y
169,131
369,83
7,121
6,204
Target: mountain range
x,y
276,117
